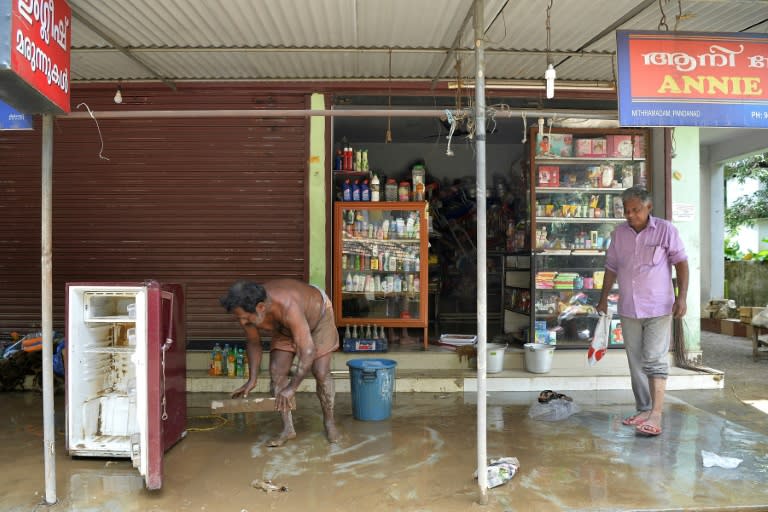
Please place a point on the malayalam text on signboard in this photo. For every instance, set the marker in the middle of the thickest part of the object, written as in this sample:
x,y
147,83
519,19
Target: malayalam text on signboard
x,y
34,54
692,79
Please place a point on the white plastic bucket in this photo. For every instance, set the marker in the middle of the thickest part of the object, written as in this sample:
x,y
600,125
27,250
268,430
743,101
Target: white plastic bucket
x,y
538,357
495,357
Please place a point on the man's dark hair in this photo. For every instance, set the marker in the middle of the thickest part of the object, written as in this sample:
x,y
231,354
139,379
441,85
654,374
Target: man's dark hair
x,y
245,295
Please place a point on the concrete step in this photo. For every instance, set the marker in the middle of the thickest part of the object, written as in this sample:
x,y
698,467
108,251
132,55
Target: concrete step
x,y
455,381
441,358
441,371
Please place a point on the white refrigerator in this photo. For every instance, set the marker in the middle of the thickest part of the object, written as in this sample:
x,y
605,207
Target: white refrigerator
x,y
125,372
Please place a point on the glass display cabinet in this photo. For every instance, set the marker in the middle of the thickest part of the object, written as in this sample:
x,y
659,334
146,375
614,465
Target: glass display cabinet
x,y
577,177
380,265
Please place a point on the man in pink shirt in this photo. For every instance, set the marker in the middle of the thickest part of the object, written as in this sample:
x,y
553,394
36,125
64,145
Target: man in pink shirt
x,y
640,257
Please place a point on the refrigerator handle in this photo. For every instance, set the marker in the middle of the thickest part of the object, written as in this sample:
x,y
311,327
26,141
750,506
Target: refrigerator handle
x,y
169,296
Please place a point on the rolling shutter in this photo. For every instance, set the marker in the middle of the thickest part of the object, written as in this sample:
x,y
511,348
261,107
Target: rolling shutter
x,y
197,201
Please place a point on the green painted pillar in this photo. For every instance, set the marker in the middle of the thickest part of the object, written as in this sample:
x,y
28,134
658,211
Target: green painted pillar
x,y
686,214
317,194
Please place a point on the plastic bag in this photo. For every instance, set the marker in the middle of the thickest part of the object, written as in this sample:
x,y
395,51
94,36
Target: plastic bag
x,y
599,344
761,319
710,459
553,410
501,471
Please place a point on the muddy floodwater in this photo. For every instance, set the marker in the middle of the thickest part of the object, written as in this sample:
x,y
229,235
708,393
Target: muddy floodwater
x,y
421,459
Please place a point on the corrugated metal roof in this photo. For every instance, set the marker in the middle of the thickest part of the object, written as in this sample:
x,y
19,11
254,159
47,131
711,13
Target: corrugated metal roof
x,y
350,39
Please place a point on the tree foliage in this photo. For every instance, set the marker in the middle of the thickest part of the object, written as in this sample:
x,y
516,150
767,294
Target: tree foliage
x,y
746,209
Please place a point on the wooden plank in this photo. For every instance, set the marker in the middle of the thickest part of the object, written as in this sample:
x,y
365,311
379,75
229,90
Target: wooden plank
x,y
250,404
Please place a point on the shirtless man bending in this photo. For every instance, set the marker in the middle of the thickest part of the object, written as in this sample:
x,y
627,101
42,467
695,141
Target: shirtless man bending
x,y
300,319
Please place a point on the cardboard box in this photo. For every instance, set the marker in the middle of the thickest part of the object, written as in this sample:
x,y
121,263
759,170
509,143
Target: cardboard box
x,y
591,148
549,176
710,325
747,313
554,144
626,146
733,327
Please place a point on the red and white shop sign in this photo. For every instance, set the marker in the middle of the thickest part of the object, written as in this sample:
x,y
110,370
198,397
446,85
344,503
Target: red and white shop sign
x,y
40,32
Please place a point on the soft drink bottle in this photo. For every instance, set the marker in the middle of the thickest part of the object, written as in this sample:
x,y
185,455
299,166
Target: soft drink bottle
x,y
231,363
225,360
217,360
239,363
212,363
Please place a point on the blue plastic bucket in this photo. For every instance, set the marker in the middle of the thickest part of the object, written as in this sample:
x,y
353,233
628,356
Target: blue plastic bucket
x,y
373,384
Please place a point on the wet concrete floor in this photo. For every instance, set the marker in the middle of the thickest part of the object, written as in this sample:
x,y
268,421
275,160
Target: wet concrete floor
x,y
421,459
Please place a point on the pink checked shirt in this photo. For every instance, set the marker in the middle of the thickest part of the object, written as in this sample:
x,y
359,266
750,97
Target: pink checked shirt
x,y
643,266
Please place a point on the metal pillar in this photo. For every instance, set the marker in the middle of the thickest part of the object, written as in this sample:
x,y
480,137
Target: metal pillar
x,y
482,285
46,307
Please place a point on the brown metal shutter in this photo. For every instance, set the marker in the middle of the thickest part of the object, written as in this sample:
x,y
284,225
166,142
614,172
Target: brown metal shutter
x,y
201,201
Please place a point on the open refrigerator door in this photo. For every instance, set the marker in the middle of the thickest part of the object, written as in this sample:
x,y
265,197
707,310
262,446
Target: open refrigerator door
x,y
123,359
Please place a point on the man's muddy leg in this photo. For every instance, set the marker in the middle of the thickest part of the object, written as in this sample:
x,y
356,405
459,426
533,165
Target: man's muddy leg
x,y
279,370
326,393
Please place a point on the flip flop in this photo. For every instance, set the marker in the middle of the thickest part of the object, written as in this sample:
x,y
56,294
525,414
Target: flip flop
x,y
646,429
633,420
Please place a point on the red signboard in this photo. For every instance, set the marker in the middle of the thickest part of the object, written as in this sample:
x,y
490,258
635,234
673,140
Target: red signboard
x,y
703,67
692,79
40,32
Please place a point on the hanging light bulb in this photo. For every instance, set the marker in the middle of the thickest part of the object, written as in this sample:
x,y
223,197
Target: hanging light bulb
x,y
119,95
549,75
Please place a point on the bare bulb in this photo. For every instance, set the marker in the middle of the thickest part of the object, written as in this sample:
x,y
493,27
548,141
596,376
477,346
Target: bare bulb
x,y
118,96
549,75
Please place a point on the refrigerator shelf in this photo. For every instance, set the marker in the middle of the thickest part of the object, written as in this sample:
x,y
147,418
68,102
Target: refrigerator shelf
x,y
111,319
109,350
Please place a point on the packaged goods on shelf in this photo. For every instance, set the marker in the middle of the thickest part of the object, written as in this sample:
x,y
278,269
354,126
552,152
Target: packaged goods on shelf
x,y
554,144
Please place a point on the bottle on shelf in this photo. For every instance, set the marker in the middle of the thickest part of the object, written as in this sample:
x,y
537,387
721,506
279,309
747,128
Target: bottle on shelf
x,y
217,360
346,190
390,190
212,362
225,360
239,363
375,197
356,190
348,158
338,160
365,191
231,363
404,191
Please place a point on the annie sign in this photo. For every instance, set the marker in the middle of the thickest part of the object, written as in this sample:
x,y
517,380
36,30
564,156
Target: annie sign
x,y
692,79
34,55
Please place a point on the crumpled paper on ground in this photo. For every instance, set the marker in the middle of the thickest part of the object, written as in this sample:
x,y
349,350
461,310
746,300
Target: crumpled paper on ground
x,y
712,459
501,471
